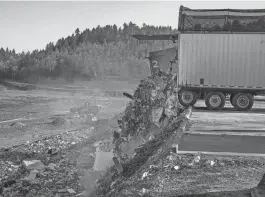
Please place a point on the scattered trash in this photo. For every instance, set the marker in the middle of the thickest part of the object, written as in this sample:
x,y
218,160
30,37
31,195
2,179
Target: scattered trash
x,y
71,191
32,175
55,156
145,175
117,165
197,159
94,119
175,148
33,165
84,193
151,137
153,166
176,167
49,151
144,191
114,183
62,190
170,157
9,183
52,166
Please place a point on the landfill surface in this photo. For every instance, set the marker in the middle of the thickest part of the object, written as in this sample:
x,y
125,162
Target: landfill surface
x,y
68,163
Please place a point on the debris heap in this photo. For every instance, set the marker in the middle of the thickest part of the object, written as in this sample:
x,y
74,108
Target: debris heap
x,y
146,113
147,129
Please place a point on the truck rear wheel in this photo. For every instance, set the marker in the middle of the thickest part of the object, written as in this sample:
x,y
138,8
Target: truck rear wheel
x,y
187,98
215,100
243,101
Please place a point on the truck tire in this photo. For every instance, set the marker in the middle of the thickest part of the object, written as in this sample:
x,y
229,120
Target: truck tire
x,y
215,100
243,101
231,99
187,98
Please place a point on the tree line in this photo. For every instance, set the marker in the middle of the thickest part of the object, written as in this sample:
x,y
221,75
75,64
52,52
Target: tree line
x,y
93,53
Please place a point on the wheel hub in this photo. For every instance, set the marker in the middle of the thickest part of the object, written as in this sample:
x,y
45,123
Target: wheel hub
x,y
242,101
187,97
215,101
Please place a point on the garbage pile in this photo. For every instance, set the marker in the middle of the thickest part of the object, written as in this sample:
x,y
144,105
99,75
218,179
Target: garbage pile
x,y
152,106
145,130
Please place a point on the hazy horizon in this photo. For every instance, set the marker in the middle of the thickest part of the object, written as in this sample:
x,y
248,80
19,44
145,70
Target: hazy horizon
x,y
26,26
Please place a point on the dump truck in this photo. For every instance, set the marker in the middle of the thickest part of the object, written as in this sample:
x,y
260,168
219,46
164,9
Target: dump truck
x,y
218,54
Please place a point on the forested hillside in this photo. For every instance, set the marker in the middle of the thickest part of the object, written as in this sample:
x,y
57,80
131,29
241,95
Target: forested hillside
x,y
93,53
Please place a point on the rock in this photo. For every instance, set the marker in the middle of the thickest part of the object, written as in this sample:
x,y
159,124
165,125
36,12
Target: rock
x,y
33,165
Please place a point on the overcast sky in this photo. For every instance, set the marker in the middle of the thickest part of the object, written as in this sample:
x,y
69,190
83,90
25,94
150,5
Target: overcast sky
x,y
31,25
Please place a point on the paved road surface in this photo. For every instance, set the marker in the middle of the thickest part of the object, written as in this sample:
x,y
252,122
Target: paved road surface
x,y
228,143
207,128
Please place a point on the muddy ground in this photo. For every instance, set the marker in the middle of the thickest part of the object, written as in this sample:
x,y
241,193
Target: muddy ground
x,y
34,120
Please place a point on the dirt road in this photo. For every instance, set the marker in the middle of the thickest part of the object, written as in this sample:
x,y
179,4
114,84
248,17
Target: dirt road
x,y
226,130
29,115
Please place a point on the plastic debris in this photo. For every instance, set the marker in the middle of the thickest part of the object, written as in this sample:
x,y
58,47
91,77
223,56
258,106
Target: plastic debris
x,y
94,119
71,191
33,165
145,175
153,166
144,191
32,175
52,166
62,190
176,167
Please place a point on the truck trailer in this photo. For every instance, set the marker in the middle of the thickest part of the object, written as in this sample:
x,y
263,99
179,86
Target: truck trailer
x,y
218,54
